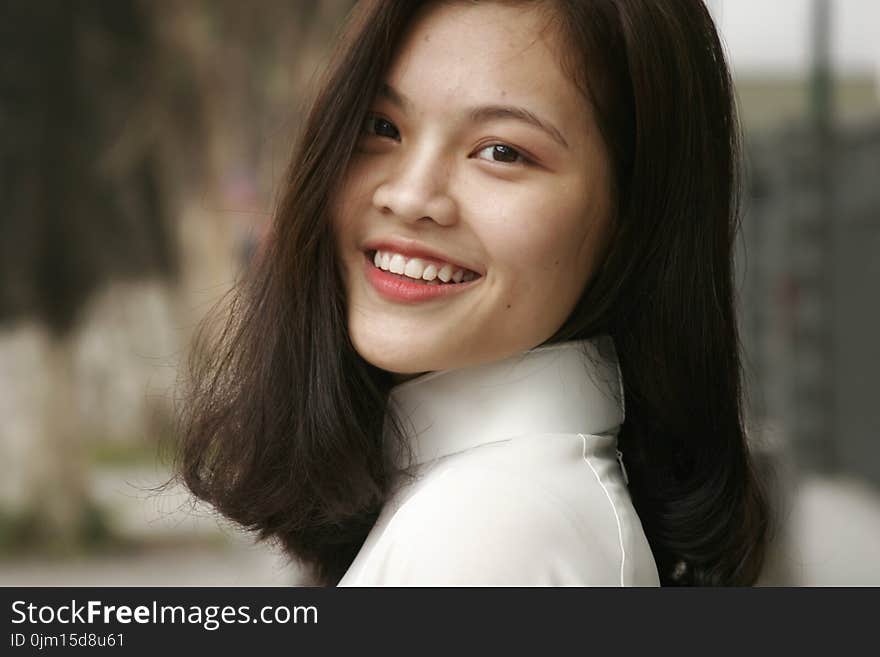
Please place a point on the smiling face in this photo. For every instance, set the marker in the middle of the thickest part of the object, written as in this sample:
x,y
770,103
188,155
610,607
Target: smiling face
x,y
479,163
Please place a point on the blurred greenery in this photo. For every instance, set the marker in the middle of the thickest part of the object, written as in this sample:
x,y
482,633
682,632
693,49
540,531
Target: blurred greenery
x,y
128,453
23,532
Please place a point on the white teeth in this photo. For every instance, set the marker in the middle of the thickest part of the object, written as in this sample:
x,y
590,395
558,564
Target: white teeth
x,y
398,264
414,268
418,269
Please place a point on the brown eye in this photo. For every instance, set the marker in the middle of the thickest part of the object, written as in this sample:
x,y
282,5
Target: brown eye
x,y
376,125
501,153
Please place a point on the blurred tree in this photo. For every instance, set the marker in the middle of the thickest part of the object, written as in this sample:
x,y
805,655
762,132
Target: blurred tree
x,y
231,79
140,139
81,202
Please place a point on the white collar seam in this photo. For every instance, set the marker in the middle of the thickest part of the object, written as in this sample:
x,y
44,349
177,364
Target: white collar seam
x,y
613,509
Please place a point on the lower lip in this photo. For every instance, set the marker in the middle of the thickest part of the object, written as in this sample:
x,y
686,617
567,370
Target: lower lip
x,y
393,288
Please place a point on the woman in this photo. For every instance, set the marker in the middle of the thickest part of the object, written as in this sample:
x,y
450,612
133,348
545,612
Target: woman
x,y
492,339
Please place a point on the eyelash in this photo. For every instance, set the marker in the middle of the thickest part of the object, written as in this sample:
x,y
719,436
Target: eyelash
x,y
372,119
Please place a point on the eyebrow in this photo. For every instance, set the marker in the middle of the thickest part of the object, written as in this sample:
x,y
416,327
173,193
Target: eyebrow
x,y
484,113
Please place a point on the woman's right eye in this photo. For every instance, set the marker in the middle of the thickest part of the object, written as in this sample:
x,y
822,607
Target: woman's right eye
x,y
376,125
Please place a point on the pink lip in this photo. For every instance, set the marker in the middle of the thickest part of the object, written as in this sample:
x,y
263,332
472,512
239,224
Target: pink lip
x,y
397,289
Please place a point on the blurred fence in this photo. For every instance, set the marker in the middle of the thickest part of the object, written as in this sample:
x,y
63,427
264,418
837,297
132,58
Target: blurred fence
x,y
810,274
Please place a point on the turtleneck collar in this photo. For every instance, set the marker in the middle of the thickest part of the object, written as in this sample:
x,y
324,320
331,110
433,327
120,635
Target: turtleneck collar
x,y
569,387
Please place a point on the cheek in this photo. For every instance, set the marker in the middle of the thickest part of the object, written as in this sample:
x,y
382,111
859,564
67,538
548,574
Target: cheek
x,y
351,202
544,251
344,211
546,240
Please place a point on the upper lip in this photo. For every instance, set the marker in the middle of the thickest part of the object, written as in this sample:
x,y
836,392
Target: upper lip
x,y
414,249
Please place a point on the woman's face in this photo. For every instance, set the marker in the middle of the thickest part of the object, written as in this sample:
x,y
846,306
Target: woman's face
x,y
480,160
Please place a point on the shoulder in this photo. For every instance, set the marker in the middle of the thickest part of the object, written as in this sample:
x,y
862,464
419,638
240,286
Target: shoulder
x,y
497,516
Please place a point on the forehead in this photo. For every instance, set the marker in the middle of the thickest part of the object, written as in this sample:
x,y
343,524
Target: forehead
x,y
464,54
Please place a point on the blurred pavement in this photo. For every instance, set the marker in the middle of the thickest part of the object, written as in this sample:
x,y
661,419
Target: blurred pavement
x,y
173,544
831,536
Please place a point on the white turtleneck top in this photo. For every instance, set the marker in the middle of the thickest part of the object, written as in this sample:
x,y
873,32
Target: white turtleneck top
x,y
517,480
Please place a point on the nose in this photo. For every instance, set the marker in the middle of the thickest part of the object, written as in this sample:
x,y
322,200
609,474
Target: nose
x,y
417,188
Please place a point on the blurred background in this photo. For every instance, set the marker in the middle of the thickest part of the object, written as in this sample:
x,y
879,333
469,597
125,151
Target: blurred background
x,y
143,144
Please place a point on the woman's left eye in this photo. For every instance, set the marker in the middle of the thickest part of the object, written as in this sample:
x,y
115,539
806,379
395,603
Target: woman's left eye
x,y
502,153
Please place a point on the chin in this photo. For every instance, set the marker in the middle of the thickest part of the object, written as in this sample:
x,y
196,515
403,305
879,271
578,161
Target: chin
x,y
383,348
390,355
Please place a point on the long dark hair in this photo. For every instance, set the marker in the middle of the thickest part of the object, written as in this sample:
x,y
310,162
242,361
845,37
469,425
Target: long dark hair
x,y
282,429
